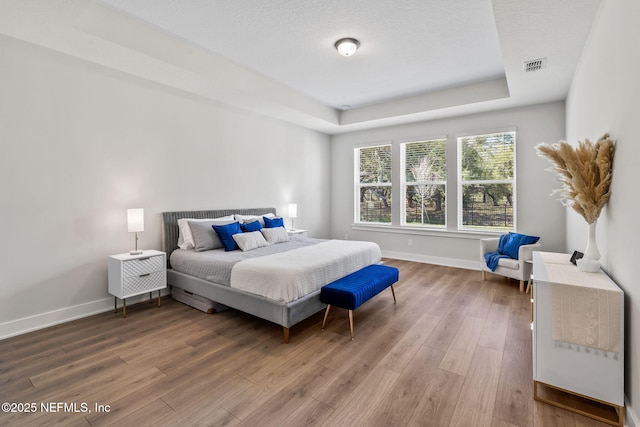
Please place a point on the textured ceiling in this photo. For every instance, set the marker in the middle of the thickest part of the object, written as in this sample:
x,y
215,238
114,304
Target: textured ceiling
x,y
419,59
407,47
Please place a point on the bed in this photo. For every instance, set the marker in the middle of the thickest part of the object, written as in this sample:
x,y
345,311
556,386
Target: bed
x,y
287,309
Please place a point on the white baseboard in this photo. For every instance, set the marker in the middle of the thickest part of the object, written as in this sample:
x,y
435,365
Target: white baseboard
x,y
63,315
631,419
447,262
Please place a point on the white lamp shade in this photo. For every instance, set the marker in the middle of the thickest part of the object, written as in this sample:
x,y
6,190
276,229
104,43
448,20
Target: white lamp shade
x,y
293,210
135,220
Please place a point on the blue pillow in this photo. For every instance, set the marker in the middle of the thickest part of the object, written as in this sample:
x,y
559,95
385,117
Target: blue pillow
x,y
510,243
273,222
504,239
251,226
225,234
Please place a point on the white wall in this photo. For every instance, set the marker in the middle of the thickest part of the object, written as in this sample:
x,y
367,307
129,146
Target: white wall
x,y
605,97
537,212
82,143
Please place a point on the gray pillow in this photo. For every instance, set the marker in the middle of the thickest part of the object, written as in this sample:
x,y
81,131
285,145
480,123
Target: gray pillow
x,y
275,235
204,236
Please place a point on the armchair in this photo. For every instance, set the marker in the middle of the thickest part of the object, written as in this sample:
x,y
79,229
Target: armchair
x,y
517,269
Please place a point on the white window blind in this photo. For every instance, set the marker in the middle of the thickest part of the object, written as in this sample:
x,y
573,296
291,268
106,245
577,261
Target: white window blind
x,y
486,182
424,184
373,184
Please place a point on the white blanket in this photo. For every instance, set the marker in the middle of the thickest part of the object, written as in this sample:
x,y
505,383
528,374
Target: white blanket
x,y
290,275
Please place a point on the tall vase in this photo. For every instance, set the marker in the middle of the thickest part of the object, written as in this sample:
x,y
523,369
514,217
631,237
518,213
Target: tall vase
x,y
592,251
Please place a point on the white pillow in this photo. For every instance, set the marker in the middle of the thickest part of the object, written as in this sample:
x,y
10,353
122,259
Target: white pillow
x,y
275,235
250,218
250,240
185,238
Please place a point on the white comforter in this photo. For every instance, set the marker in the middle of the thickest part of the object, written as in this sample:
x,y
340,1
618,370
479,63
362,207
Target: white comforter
x,y
290,275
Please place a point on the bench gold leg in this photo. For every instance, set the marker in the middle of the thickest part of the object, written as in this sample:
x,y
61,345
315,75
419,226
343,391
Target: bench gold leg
x,y
326,314
393,293
351,324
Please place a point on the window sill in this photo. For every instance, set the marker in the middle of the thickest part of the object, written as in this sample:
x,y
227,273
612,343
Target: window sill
x,y
420,231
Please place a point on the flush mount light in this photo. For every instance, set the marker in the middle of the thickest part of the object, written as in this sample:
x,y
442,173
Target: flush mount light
x,y
347,46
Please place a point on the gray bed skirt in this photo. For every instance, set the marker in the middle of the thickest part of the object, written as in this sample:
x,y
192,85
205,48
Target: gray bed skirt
x,y
280,313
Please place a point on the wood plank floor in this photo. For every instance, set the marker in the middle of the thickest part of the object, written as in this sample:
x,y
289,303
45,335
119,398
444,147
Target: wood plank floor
x,y
454,351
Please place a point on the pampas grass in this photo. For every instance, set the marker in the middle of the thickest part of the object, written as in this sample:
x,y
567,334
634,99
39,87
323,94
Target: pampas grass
x,y
585,173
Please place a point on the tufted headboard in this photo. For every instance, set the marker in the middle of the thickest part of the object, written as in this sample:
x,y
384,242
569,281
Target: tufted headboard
x,y
170,223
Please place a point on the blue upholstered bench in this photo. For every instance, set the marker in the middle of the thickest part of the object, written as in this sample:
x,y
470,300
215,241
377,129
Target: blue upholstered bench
x,y
351,291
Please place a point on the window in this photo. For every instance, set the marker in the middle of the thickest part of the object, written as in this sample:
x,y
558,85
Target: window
x,y
486,182
373,181
424,183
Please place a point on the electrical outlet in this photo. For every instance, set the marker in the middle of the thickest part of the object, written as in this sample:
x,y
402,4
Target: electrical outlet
x,y
346,236
410,242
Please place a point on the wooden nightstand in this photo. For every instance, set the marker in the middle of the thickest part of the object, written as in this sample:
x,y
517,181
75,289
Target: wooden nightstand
x,y
131,275
298,234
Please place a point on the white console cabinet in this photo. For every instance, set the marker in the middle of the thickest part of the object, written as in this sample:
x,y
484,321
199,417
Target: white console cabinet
x,y
578,334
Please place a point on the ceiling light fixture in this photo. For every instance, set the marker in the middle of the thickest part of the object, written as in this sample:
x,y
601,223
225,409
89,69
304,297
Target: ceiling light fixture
x,y
347,46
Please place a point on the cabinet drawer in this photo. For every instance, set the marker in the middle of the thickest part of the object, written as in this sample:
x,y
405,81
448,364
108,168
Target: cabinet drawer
x,y
137,267
146,282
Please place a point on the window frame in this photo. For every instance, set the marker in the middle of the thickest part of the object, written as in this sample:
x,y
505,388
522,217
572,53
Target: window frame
x,y
358,185
404,183
461,183
453,188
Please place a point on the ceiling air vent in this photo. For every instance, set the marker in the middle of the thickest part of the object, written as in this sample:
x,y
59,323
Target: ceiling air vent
x,y
535,65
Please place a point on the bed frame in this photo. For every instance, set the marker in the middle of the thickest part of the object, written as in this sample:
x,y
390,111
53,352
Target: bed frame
x,y
280,313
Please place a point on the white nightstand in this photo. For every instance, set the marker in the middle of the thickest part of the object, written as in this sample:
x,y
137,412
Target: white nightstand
x,y
298,234
131,275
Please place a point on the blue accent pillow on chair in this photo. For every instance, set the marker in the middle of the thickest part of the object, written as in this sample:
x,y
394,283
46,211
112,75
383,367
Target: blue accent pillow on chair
x,y
225,234
273,222
510,244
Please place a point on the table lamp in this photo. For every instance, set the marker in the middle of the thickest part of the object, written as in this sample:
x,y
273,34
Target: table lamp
x,y
135,223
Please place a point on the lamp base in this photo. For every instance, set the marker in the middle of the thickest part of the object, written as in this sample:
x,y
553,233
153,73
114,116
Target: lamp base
x,y
136,251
